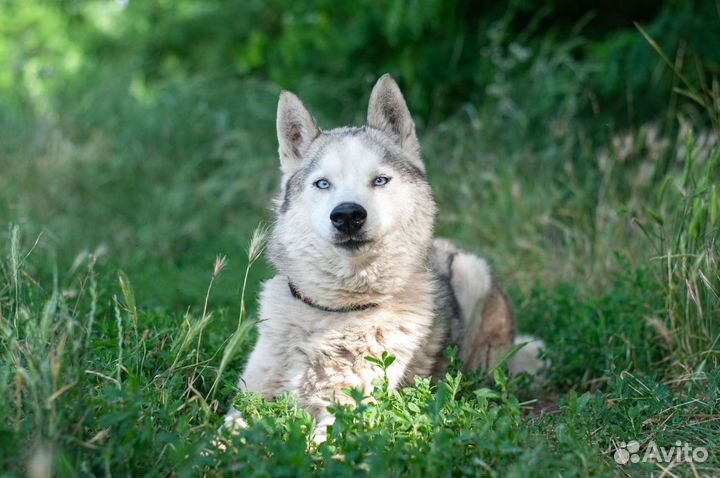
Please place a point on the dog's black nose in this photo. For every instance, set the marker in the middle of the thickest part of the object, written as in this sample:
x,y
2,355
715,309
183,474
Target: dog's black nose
x,y
348,217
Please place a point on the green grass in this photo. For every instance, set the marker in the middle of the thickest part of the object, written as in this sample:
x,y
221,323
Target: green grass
x,y
93,388
122,329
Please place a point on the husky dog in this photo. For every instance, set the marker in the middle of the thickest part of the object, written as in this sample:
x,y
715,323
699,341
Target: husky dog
x,y
358,270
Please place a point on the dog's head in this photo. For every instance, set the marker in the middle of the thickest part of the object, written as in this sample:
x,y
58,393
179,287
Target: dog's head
x,y
351,197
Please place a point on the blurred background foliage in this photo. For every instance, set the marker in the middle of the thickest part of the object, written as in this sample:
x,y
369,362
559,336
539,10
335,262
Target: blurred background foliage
x,y
144,130
444,53
139,136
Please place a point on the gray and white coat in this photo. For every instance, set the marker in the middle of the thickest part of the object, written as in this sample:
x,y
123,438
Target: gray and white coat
x,y
383,285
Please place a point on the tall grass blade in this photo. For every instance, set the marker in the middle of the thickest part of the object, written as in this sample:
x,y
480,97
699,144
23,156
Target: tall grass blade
x,y
257,246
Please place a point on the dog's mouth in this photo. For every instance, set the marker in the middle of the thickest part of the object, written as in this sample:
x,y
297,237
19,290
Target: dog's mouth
x,y
353,244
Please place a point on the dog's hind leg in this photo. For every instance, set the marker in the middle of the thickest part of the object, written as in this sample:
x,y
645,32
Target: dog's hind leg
x,y
483,324
488,321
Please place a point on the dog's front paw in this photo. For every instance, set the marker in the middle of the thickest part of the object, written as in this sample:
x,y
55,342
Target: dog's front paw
x,y
321,428
320,435
234,421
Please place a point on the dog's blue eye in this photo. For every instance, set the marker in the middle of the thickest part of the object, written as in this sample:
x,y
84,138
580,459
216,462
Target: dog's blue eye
x,y
381,181
322,184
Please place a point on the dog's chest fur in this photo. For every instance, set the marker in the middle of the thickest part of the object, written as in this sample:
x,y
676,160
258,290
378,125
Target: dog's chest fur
x,y
314,349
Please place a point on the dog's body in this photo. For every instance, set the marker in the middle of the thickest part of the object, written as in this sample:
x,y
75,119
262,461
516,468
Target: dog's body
x,y
359,272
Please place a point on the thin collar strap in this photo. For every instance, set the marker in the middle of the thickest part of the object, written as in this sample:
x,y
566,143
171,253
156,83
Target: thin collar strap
x,y
351,308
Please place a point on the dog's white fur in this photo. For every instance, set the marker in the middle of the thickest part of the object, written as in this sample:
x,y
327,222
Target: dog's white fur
x,y
428,294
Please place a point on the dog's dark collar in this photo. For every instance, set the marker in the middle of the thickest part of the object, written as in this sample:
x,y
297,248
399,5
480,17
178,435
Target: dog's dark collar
x,y
351,308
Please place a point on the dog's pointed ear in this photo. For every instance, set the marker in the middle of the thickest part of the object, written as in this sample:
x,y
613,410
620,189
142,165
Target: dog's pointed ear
x,y
296,129
388,112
